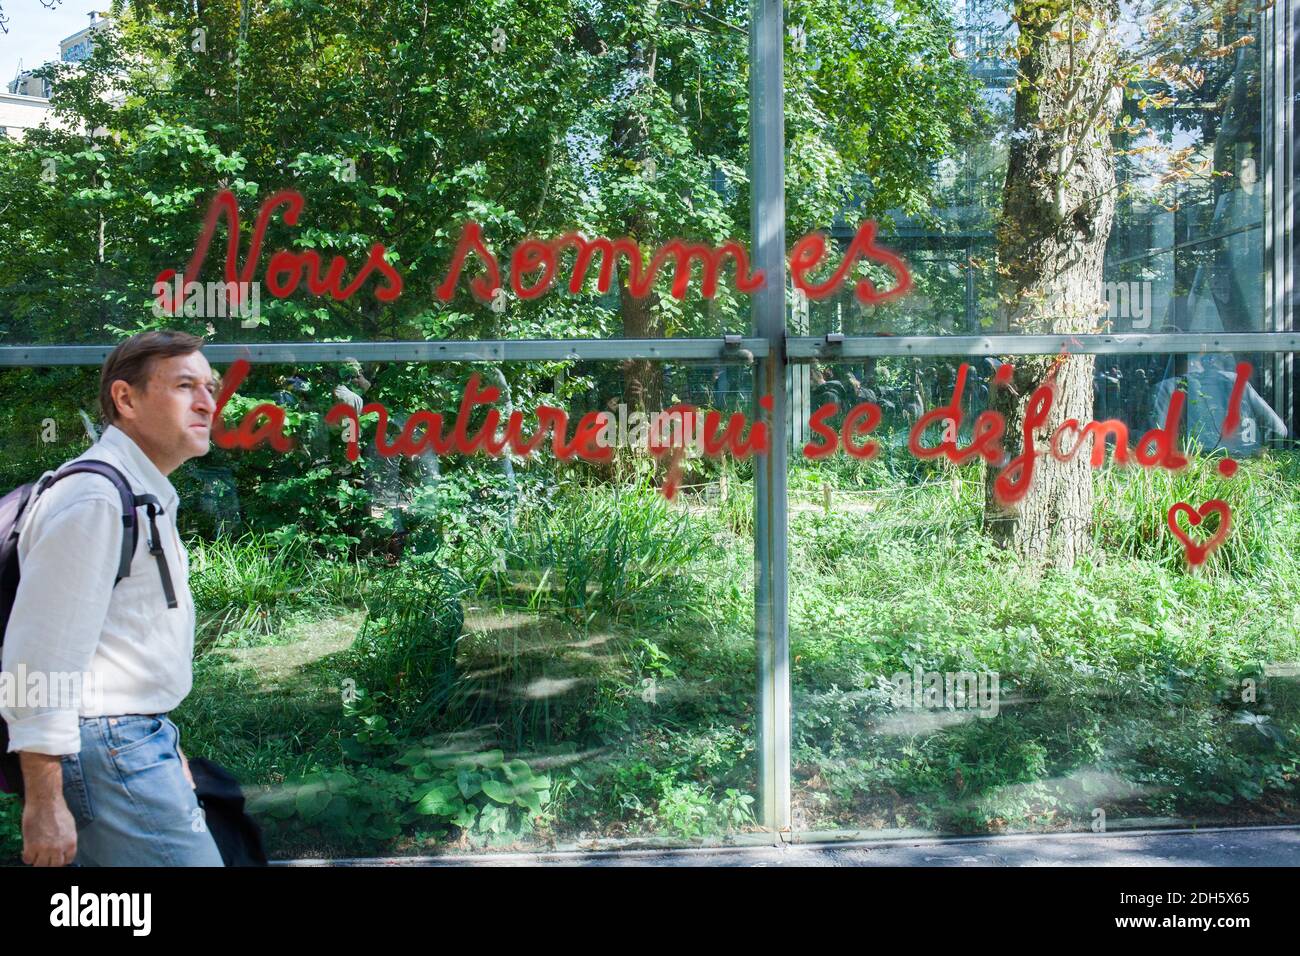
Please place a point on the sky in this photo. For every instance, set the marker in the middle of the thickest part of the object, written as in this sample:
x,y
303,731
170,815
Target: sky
x,y
35,32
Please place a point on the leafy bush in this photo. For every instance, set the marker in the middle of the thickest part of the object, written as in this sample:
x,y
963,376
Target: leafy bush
x,y
394,782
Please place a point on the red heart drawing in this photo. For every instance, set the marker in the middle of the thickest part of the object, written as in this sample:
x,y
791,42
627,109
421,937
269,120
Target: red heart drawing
x,y
1197,553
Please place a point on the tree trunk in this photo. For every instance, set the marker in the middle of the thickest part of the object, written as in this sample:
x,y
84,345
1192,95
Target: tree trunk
x,y
630,141
642,378
641,319
1058,204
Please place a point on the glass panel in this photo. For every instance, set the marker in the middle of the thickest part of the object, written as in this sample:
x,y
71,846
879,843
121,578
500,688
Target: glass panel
x,y
414,653
560,123
1188,255
941,687
1185,245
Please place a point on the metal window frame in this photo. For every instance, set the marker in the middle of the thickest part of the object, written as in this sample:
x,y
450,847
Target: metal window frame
x,y
833,348
731,349
723,349
771,538
774,350
1278,121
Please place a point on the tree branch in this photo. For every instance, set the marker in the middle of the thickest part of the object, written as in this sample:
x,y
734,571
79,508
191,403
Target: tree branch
x,y
709,16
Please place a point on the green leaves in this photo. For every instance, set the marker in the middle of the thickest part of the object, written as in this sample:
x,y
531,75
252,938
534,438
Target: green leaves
x,y
312,798
396,786
398,782
520,788
440,800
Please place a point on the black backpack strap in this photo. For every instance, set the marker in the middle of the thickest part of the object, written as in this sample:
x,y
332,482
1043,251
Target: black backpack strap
x,y
153,508
125,494
131,531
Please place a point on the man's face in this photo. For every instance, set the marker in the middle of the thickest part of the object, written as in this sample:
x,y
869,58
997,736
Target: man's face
x,y
171,418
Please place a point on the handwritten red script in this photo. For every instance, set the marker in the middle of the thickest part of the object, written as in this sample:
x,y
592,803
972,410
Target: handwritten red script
x,y
287,270
424,431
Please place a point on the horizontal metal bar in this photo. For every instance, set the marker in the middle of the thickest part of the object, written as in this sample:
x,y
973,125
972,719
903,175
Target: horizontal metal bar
x,y
798,348
1162,343
289,352
496,350
667,350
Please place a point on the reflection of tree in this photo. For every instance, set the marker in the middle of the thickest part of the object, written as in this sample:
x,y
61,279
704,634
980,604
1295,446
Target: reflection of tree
x,y
1239,203
871,96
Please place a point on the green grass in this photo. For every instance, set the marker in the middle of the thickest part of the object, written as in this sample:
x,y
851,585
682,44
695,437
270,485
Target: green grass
x,y
606,642
250,585
1126,677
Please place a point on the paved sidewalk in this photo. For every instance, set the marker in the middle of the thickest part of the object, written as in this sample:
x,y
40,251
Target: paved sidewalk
x,y
1258,846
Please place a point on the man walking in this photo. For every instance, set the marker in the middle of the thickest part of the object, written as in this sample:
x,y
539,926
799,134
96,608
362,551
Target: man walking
x,y
105,780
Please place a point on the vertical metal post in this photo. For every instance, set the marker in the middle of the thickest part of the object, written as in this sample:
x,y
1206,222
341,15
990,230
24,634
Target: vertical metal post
x,y
1278,149
1288,106
798,376
1285,316
767,227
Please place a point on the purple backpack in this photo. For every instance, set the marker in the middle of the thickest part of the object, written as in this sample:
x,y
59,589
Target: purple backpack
x,y
12,508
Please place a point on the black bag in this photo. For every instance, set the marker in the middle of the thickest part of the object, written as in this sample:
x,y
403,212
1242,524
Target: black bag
x,y
12,508
237,835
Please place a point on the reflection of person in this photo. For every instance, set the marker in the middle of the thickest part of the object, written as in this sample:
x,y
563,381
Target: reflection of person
x,y
1137,400
1107,384
350,375
1210,379
291,387
1227,291
831,390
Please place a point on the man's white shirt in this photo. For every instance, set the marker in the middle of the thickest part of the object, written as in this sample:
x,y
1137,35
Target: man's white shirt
x,y
69,618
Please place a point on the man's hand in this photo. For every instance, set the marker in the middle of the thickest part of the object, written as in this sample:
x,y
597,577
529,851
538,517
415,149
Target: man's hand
x,y
49,830
185,765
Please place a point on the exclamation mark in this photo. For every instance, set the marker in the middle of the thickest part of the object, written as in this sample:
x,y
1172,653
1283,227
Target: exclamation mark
x,y
1227,466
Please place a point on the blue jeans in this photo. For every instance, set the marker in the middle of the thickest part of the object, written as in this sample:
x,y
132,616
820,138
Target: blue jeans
x,y
127,791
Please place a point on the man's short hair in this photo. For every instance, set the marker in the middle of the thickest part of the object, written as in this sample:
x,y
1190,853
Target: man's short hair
x,y
132,361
